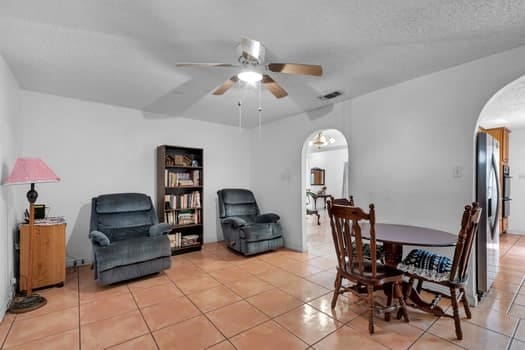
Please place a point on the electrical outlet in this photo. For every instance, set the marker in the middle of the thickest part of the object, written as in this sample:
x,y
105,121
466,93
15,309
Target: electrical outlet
x,y
457,172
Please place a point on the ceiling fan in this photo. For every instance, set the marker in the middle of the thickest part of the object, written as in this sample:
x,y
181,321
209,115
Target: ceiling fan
x,y
253,69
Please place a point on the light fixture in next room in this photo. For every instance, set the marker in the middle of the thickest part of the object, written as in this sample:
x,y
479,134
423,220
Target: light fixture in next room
x,y
321,140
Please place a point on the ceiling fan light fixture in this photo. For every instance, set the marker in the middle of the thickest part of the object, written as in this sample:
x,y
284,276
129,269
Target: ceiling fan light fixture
x,y
250,77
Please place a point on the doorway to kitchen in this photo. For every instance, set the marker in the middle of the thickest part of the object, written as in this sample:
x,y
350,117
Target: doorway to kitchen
x,y
500,191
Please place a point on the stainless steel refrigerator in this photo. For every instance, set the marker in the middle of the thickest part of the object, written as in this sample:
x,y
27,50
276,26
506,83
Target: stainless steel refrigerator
x,y
488,196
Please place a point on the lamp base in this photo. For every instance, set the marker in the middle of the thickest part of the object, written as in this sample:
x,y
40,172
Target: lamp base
x,y
23,303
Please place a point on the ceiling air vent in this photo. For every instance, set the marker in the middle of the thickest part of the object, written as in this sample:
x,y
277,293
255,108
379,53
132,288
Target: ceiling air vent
x,y
331,95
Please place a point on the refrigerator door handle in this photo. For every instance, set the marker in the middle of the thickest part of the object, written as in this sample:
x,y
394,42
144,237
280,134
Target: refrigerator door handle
x,y
495,223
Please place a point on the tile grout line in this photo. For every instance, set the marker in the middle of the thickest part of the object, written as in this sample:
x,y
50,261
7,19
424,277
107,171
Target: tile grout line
x,y
338,328
270,318
203,314
245,300
516,293
483,327
515,296
427,331
509,344
8,332
242,299
274,318
143,318
42,315
477,325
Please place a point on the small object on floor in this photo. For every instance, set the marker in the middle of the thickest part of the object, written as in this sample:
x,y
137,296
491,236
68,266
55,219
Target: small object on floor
x,y
436,301
22,303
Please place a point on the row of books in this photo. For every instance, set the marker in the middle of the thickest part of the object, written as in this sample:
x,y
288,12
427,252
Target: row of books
x,y
183,201
176,179
177,240
188,217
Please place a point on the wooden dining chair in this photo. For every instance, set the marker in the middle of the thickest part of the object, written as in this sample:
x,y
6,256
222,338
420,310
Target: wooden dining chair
x,y
424,266
358,268
380,252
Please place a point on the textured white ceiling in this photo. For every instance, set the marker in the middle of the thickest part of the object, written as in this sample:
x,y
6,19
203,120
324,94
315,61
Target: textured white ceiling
x,y
124,52
506,107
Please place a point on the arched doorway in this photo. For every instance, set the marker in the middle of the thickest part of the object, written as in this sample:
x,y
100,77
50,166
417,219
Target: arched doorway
x,y
499,142
324,172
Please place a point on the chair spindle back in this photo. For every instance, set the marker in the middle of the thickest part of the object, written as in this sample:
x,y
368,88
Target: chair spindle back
x,y
346,228
467,233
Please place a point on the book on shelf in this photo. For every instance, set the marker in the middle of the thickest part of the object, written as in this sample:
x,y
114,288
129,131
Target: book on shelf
x,y
196,177
183,217
190,240
186,218
183,201
177,240
178,179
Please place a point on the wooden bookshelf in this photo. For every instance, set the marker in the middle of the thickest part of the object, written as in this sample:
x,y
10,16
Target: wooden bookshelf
x,y
180,183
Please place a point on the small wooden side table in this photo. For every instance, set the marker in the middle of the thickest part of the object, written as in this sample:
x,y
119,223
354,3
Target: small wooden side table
x,y
49,255
324,196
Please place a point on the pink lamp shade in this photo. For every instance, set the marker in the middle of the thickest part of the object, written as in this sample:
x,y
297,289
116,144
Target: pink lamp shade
x,y
31,170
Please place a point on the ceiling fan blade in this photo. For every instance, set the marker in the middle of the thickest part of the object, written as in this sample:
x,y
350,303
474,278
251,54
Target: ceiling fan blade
x,y
274,88
226,85
296,68
205,65
252,49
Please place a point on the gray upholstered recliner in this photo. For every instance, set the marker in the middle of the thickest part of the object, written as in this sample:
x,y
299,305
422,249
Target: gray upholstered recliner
x,y
128,241
244,228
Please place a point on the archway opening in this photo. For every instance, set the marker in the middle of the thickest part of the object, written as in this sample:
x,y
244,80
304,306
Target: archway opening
x,y
324,172
499,148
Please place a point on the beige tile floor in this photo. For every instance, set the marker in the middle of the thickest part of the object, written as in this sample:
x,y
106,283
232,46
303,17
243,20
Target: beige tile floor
x,y
280,300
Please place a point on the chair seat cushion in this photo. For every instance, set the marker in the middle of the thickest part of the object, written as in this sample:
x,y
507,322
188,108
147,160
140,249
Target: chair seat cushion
x,y
380,251
131,251
423,263
382,270
259,232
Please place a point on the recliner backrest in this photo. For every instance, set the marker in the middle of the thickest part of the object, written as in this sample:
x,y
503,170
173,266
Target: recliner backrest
x,y
122,215
237,202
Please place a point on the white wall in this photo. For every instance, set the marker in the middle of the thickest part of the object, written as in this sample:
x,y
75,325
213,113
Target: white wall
x,y
517,186
333,161
277,174
97,149
404,142
9,92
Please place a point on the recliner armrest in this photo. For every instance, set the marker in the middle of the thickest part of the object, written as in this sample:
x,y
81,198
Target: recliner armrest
x,y
159,229
235,221
267,218
99,238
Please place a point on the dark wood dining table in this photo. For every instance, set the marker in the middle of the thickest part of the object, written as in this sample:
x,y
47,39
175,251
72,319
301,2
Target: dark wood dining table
x,y
394,237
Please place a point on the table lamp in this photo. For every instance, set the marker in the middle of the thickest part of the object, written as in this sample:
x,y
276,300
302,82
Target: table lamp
x,y
30,171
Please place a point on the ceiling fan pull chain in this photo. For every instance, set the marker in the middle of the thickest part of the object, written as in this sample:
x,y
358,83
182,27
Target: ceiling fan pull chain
x,y
239,104
259,110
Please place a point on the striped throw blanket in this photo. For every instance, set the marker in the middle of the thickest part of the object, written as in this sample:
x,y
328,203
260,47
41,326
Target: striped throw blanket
x,y
426,264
